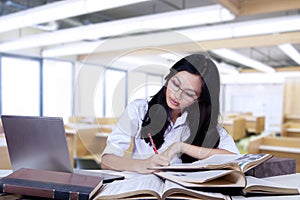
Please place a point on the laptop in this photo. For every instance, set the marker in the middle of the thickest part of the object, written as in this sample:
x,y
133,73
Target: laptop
x,y
40,143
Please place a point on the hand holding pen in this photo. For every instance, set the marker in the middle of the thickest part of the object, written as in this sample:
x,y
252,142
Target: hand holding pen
x,y
152,144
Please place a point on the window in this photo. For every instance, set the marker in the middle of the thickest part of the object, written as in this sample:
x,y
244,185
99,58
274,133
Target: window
x,y
57,88
20,86
136,86
143,85
154,84
115,92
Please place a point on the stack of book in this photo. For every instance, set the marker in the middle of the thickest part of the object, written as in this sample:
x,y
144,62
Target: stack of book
x,y
218,177
50,184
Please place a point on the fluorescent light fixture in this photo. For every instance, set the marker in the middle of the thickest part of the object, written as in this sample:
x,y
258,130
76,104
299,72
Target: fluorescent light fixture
x,y
187,17
289,50
58,10
225,68
72,49
230,30
175,19
135,62
239,58
242,29
250,78
116,44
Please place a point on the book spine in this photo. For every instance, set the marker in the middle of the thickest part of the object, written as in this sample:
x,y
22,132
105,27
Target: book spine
x,y
46,193
24,190
69,195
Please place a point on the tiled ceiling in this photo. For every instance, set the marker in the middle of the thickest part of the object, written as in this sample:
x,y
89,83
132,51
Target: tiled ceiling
x,y
269,53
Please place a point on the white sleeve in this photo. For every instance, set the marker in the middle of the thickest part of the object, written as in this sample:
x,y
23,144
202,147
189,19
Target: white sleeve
x,y
126,129
226,141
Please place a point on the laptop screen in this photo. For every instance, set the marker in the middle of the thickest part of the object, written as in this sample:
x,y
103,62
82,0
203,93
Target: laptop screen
x,y
36,143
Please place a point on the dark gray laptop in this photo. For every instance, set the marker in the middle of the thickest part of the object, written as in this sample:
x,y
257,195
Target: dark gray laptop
x,y
40,143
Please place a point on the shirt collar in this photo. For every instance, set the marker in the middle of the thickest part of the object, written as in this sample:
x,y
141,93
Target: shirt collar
x,y
181,120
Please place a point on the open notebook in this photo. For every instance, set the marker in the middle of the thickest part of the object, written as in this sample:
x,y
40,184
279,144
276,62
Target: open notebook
x,y
40,143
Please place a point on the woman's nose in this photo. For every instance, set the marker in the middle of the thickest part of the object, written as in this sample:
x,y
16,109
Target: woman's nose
x,y
178,94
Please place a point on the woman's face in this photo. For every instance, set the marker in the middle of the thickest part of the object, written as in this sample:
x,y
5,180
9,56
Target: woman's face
x,y
182,90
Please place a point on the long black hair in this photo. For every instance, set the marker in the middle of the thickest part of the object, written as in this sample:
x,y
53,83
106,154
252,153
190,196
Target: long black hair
x,y
202,115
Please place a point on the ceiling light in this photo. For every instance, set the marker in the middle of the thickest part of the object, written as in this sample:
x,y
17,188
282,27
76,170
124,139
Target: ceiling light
x,y
230,30
116,44
187,17
289,50
244,60
242,29
58,10
71,49
175,19
225,68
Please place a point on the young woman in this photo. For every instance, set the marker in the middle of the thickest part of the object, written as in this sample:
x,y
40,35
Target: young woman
x,y
182,119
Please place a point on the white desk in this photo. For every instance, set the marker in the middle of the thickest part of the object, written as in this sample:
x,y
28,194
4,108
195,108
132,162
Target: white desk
x,y
5,172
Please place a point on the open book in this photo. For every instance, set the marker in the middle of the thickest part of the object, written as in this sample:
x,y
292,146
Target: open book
x,y
151,186
261,186
242,163
228,179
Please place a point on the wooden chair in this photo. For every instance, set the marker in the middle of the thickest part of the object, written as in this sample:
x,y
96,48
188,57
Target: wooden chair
x,y
4,156
236,127
1,128
255,124
106,120
291,129
284,147
291,118
82,120
106,124
87,145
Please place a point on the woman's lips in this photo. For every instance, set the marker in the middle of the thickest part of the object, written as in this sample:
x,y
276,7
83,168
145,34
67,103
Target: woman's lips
x,y
173,102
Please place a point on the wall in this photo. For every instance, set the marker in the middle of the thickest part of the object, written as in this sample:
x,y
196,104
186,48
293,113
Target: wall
x,y
260,99
260,93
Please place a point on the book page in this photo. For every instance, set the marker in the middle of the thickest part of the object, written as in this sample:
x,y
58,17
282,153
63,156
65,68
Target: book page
x,y
173,190
242,162
258,185
216,160
290,180
248,161
228,178
146,185
196,177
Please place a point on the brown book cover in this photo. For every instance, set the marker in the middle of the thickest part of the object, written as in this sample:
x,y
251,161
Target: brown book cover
x,y
51,184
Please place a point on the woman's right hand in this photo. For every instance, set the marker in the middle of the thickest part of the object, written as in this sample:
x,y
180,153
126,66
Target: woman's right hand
x,y
156,160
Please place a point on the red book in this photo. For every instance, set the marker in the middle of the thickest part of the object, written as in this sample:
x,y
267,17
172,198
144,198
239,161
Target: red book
x,y
51,184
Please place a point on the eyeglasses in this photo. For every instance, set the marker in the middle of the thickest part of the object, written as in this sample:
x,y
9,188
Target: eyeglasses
x,y
188,95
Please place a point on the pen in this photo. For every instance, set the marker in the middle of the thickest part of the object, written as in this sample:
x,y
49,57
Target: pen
x,y
152,144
